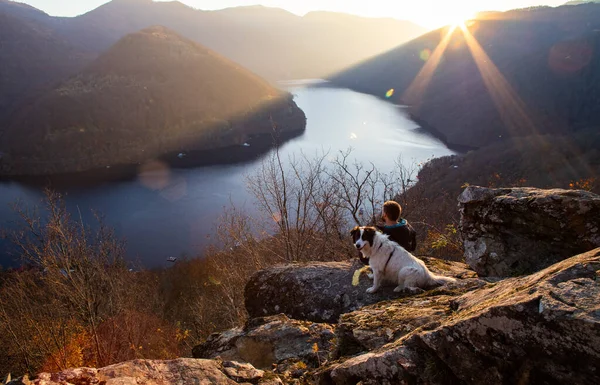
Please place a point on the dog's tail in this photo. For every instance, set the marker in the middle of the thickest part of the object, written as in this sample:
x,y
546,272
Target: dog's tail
x,y
438,280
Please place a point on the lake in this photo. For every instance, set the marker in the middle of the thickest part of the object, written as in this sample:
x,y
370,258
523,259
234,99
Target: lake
x,y
178,215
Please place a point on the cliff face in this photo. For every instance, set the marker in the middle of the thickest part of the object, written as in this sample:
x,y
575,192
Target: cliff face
x,y
540,328
151,94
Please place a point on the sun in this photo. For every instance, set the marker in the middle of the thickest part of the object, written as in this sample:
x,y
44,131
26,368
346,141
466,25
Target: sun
x,y
459,17
454,14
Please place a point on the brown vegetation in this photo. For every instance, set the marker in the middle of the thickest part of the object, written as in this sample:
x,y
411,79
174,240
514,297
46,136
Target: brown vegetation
x,y
74,301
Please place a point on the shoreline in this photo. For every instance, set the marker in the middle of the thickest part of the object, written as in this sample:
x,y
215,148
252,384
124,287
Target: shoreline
x,y
460,148
259,145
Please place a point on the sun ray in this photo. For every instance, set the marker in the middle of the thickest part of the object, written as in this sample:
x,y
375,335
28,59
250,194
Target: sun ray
x,y
414,94
514,113
511,108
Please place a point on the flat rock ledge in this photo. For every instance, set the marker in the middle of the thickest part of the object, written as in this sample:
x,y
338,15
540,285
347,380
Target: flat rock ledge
x,y
322,291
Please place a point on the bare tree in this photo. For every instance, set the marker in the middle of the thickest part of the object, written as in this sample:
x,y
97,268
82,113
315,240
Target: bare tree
x,y
312,202
70,304
298,201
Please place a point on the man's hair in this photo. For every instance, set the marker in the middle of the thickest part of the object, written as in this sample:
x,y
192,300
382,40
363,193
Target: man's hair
x,y
393,210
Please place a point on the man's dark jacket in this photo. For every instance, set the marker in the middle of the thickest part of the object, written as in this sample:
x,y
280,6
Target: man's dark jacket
x,y
402,233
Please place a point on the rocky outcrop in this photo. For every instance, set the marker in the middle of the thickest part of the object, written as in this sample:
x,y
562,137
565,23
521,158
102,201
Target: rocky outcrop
x,y
515,231
183,371
543,328
271,340
321,292
376,325
539,329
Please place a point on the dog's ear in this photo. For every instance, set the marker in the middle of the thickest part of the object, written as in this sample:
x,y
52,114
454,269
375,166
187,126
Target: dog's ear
x,y
370,231
354,230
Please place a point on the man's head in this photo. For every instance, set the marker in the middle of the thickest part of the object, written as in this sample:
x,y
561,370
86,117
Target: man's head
x,y
391,211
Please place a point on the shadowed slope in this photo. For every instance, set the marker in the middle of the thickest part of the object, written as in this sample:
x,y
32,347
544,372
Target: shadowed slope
x,y
508,74
151,94
31,55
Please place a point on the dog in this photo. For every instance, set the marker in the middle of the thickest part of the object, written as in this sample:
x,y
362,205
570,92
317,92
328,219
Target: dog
x,y
391,262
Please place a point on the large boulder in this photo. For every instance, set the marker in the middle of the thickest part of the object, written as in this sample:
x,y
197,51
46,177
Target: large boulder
x,y
182,371
539,329
515,231
376,325
322,291
271,340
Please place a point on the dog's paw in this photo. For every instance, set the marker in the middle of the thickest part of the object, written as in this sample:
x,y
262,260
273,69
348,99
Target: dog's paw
x,y
371,290
414,290
398,289
370,275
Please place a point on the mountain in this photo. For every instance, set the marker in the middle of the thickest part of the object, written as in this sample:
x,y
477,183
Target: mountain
x,y
534,71
32,55
152,93
274,43
23,10
578,2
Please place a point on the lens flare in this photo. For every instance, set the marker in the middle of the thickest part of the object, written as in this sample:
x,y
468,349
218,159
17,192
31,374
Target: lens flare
x,y
389,93
425,54
276,217
154,175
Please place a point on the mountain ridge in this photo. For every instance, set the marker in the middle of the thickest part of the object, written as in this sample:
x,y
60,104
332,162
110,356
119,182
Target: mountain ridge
x,y
153,93
279,56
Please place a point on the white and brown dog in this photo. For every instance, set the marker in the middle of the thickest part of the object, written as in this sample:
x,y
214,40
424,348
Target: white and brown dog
x,y
391,262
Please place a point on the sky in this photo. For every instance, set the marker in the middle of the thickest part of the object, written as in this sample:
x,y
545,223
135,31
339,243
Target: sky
x,y
428,13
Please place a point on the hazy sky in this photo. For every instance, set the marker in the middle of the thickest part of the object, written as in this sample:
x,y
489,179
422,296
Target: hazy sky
x,y
429,13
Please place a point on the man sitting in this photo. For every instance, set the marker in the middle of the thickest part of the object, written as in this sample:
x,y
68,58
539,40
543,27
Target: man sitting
x,y
397,228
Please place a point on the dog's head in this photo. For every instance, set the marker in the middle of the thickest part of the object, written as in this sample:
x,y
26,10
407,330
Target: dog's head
x,y
362,237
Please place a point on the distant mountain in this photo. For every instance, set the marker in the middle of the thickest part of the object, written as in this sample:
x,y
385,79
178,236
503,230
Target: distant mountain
x,y
538,71
153,93
274,43
23,10
578,2
32,54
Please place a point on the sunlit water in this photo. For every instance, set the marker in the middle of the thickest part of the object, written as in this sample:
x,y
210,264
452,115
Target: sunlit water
x,y
180,218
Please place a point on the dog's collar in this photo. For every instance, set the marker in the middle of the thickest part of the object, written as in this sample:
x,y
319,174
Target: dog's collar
x,y
388,261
